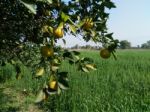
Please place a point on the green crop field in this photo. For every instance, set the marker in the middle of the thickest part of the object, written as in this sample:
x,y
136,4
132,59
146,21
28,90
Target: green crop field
x,y
116,86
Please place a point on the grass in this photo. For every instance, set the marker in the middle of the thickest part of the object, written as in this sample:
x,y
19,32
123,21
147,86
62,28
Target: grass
x,y
117,86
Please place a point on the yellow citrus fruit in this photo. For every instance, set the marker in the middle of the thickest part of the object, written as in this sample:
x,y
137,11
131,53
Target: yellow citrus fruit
x,y
58,32
40,71
53,85
105,53
47,51
88,25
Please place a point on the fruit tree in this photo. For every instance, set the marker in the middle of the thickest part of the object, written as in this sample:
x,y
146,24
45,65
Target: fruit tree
x,y
30,30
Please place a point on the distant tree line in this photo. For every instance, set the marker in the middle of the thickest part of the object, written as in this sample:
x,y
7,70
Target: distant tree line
x,y
86,47
124,44
146,45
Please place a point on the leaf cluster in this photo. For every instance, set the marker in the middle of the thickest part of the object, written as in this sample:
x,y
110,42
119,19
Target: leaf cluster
x,y
30,30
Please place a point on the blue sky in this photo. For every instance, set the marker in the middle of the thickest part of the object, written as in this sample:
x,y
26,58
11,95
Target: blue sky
x,y
129,21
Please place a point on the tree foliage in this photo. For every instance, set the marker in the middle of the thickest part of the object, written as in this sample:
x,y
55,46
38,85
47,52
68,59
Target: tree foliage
x,y
146,45
30,30
124,44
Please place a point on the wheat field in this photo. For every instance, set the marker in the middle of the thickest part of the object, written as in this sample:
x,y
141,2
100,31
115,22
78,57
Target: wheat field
x,y
121,85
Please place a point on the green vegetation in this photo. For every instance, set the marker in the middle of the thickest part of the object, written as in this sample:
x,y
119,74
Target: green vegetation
x,y
34,28
116,86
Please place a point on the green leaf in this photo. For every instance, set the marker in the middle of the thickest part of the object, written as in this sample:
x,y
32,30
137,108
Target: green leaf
x,y
18,68
67,54
72,22
59,90
109,4
81,23
50,29
61,25
63,84
86,59
12,62
90,66
29,1
93,33
64,41
64,17
3,63
76,52
54,68
71,61
49,1
51,91
46,1
63,75
84,69
31,7
40,97
56,62
109,35
52,78
77,57
63,80
72,28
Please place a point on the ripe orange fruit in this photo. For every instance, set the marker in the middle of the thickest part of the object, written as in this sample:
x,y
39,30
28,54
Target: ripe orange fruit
x,y
53,85
105,53
58,32
47,51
